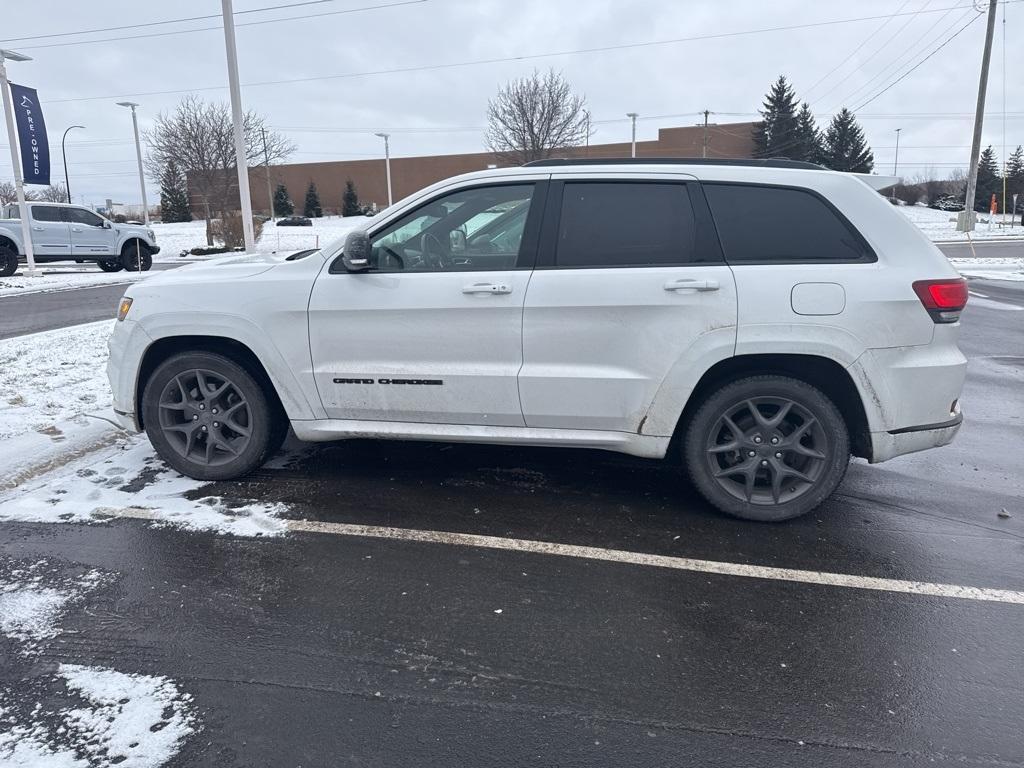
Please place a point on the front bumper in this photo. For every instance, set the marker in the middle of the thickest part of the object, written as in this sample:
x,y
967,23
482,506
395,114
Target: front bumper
x,y
154,249
127,345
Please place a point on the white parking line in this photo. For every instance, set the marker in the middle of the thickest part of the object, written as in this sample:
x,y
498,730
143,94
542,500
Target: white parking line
x,y
663,561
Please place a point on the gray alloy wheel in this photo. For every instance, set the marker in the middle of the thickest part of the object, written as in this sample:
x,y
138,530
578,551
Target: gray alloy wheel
x,y
110,265
208,417
8,261
133,256
767,448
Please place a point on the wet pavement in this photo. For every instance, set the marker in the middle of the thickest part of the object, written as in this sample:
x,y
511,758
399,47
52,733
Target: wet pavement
x,y
315,649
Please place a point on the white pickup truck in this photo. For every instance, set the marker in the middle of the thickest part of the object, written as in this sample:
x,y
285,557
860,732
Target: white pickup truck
x,y
63,232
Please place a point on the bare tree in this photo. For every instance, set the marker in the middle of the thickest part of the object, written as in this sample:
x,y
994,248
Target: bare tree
x,y
9,193
199,137
534,116
55,193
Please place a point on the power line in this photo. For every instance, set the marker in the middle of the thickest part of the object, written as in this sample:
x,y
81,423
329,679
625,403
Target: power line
x,y
207,29
506,59
168,21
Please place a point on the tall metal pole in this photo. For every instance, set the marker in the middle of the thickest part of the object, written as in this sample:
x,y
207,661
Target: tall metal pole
x,y
633,116
387,160
965,221
266,164
704,152
64,154
138,156
896,161
241,157
12,140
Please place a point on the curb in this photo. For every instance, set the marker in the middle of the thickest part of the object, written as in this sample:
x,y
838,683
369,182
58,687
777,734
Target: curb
x,y
27,456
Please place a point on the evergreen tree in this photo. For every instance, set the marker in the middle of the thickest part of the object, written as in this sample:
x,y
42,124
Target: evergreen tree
x,y
283,205
776,134
311,208
1015,178
844,147
990,182
174,195
808,137
350,200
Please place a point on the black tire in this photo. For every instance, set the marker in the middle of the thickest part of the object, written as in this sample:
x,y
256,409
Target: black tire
x,y
132,255
172,425
110,265
8,261
759,471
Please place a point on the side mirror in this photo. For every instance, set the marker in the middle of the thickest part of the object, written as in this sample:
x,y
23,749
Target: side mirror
x,y
457,241
106,224
355,253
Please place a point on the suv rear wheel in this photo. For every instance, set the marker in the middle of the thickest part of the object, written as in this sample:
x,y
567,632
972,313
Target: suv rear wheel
x,y
208,418
110,265
8,261
767,448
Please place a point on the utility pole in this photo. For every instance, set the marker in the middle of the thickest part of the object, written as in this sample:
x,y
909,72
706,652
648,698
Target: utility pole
x,y
266,164
965,221
241,158
12,140
387,160
64,154
704,152
896,161
633,116
138,156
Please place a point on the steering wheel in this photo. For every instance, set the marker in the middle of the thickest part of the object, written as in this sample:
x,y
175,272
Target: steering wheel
x,y
434,252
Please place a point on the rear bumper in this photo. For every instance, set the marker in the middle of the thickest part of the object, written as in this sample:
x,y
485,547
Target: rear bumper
x,y
887,445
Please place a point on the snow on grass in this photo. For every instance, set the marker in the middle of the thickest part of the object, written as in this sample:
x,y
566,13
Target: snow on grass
x,y
52,376
30,610
65,277
940,226
134,721
991,269
132,477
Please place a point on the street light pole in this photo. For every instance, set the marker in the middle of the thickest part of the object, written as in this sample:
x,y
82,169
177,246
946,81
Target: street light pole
x,y
266,165
138,156
896,161
12,140
241,158
387,160
633,116
64,154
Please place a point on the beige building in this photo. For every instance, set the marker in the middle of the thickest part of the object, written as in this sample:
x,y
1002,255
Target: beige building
x,y
409,174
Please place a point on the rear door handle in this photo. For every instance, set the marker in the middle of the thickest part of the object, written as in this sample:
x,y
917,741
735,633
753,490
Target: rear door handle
x,y
689,284
38,229
494,288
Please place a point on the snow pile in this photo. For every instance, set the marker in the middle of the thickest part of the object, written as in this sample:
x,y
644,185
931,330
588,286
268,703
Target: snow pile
x,y
991,269
134,721
941,225
52,376
132,479
25,747
29,611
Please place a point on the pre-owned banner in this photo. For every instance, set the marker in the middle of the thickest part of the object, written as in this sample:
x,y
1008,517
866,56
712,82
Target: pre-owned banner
x,y
35,149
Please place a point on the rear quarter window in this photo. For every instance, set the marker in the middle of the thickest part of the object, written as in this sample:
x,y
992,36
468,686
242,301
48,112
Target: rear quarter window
x,y
768,225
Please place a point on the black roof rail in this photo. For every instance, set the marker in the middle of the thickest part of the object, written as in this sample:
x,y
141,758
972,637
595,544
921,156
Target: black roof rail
x,y
770,162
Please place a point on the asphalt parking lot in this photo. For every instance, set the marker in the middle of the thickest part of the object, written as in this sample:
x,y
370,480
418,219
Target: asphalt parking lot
x,y
345,645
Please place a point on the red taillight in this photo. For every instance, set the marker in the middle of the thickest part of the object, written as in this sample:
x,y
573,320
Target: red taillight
x,y
944,299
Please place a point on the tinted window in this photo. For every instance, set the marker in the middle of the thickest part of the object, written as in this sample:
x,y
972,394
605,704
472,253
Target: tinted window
x,y
82,216
779,224
622,224
469,230
45,213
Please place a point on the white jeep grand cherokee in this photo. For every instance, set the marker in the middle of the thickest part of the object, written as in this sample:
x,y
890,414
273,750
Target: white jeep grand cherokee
x,y
759,321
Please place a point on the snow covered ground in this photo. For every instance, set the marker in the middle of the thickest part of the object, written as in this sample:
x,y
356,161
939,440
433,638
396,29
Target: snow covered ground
x,y
940,226
63,277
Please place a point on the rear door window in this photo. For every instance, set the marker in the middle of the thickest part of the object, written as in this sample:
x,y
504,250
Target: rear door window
x,y
760,224
625,224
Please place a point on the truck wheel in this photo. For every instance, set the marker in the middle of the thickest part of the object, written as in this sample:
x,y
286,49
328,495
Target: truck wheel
x,y
767,448
8,261
110,265
207,417
132,256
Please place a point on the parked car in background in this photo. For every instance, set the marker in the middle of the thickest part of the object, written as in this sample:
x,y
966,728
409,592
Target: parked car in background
x,y
294,221
754,321
64,232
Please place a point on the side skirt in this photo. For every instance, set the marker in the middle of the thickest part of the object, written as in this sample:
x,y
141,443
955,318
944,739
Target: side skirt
x,y
322,430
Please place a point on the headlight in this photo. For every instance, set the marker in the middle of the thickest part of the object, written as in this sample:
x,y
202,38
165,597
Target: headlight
x,y
123,307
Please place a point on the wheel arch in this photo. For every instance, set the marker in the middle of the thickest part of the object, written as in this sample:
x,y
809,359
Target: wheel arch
x,y
9,242
823,373
164,348
130,240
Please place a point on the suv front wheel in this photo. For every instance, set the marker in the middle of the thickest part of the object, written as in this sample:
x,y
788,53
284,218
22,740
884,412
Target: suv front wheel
x,y
767,448
208,418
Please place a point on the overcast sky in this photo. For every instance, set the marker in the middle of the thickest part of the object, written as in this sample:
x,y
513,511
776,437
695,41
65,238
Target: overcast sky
x,y
437,110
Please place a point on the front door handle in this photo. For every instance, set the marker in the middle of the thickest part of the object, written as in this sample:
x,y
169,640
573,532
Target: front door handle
x,y
76,229
689,284
493,288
